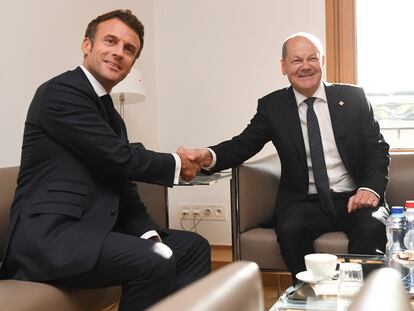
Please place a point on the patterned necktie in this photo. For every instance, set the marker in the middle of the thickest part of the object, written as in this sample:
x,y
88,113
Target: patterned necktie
x,y
318,159
113,117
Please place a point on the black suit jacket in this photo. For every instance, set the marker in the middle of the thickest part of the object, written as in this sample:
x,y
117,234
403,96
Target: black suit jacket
x,y
75,183
360,144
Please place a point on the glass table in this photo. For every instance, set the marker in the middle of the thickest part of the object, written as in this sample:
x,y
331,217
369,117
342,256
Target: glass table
x,y
204,179
323,295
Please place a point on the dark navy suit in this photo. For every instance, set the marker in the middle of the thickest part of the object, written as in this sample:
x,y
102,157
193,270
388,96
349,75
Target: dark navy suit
x,y
363,151
77,216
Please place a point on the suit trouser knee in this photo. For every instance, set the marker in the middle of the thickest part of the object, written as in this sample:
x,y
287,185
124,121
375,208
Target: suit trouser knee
x,y
296,230
145,270
158,282
192,255
367,235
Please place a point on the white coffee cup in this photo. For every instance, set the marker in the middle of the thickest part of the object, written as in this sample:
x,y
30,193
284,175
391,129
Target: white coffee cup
x,y
321,265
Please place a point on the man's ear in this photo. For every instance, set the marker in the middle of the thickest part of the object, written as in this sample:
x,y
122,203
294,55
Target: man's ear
x,y
283,66
323,60
86,46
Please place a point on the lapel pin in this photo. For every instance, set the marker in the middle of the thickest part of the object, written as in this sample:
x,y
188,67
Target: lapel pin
x,y
341,103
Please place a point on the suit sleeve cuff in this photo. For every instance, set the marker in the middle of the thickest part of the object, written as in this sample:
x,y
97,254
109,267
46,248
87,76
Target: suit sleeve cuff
x,y
177,169
150,234
369,189
213,162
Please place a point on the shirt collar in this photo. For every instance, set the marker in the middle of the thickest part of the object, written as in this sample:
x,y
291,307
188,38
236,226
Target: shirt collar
x,y
319,93
98,88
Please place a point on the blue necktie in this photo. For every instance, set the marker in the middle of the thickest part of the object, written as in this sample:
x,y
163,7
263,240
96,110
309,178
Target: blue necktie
x,y
318,159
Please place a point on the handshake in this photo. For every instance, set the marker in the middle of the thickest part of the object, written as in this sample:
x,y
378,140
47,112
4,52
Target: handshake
x,y
192,161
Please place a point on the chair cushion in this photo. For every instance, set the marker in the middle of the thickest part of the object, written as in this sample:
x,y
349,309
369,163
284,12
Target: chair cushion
x,y
332,242
18,295
256,242
260,245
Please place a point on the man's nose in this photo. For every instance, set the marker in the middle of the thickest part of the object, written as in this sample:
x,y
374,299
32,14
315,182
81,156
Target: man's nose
x,y
118,50
305,64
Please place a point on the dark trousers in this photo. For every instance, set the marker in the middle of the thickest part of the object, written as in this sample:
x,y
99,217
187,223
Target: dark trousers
x,y
302,222
143,268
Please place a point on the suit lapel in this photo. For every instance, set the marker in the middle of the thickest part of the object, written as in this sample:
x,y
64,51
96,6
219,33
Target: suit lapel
x,y
84,84
337,110
291,116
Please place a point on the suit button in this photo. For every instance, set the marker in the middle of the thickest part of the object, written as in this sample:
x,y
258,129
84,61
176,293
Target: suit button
x,y
114,212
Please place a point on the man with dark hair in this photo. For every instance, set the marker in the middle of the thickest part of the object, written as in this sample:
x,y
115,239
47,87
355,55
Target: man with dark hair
x,y
334,159
77,219
126,17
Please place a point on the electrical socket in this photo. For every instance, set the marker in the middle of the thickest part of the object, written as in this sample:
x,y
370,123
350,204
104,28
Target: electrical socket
x,y
203,210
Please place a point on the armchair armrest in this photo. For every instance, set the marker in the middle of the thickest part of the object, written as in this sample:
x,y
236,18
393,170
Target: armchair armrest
x,y
155,198
236,286
8,179
401,172
254,187
383,290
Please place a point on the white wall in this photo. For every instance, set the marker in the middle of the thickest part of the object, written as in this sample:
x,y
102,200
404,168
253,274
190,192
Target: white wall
x,y
41,39
214,59
205,64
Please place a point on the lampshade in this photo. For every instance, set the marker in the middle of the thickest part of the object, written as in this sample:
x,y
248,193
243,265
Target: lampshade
x,y
129,91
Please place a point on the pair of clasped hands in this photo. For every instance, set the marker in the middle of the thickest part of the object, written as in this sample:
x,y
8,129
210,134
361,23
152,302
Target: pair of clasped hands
x,y
192,161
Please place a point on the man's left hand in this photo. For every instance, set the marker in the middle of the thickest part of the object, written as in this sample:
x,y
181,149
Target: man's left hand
x,y
362,199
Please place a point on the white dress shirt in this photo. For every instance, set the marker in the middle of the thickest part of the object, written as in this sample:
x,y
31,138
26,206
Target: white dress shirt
x,y
339,178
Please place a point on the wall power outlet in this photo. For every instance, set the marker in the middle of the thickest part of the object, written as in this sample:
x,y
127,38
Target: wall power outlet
x,y
207,211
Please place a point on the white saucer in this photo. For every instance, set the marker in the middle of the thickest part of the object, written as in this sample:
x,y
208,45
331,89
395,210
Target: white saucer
x,y
307,277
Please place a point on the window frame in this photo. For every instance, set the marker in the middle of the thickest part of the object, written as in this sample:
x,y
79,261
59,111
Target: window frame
x,y
341,47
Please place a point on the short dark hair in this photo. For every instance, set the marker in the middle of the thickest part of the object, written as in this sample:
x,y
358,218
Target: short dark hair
x,y
124,16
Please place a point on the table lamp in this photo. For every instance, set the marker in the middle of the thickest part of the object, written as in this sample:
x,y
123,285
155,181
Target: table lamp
x,y
129,91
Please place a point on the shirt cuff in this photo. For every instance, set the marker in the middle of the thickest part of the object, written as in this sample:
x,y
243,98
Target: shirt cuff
x,y
177,168
369,189
213,162
150,234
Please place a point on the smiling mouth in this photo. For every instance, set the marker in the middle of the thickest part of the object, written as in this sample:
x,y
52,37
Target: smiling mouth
x,y
306,77
113,65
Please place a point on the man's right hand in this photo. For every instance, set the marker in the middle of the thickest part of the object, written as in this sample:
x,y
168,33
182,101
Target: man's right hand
x,y
189,165
192,161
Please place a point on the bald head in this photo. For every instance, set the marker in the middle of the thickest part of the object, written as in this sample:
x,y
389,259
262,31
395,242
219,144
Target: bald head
x,y
312,38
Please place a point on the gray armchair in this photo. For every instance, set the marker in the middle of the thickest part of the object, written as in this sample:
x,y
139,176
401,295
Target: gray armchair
x,y
383,290
235,287
253,190
18,295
